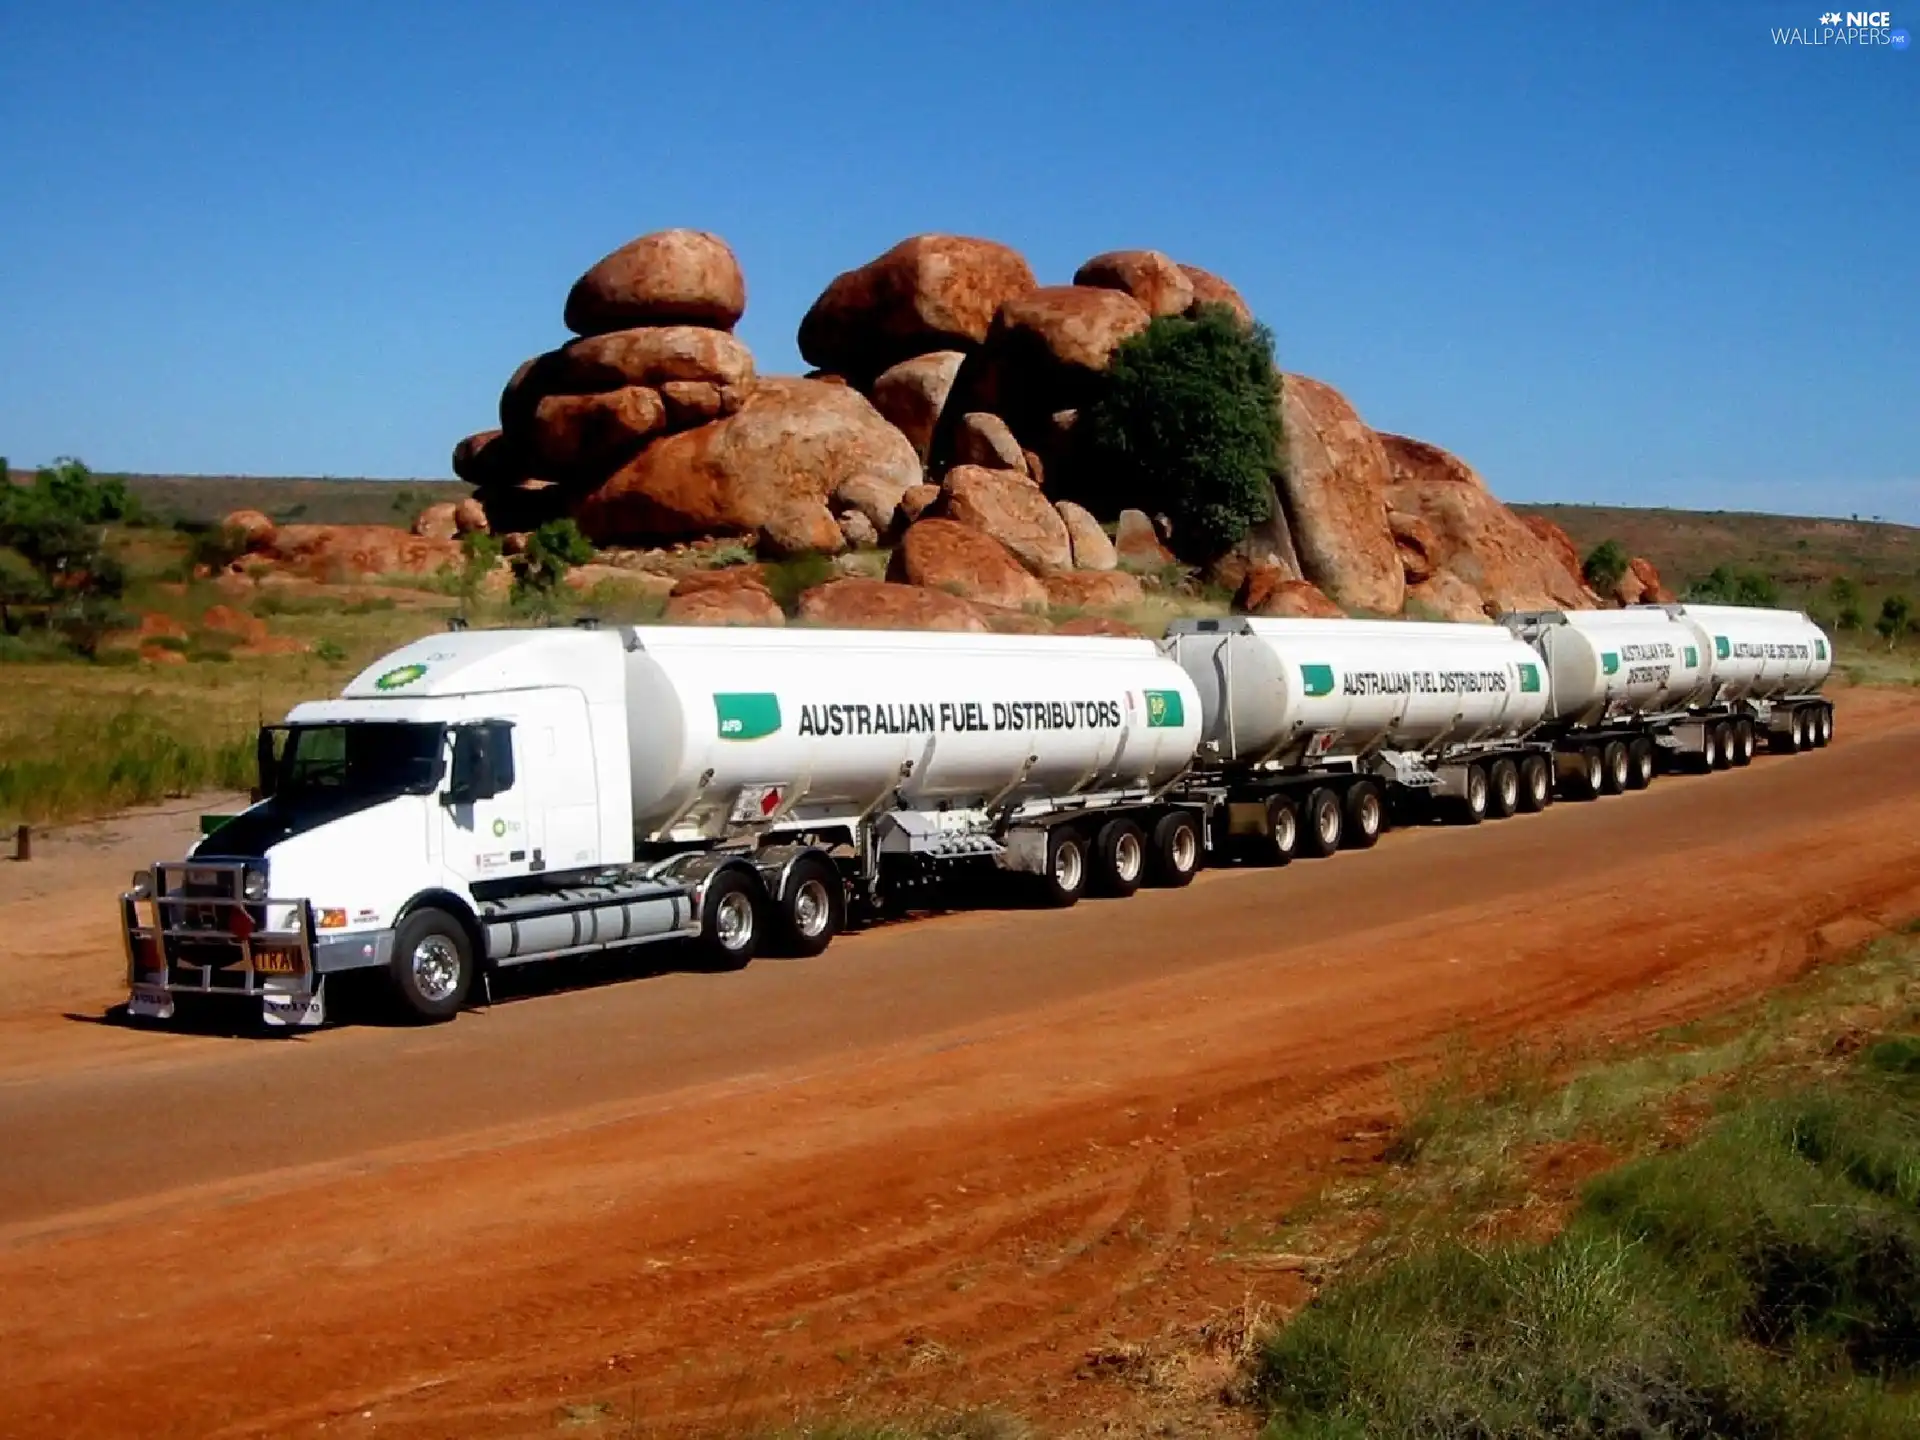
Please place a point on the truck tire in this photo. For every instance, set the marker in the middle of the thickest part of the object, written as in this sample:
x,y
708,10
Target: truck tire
x,y
432,966
1639,763
812,908
1470,808
1503,788
1174,850
1725,731
1365,817
1614,768
1709,747
1321,823
1822,726
1584,782
1742,752
732,919
1282,840
1536,784
1066,878
1119,859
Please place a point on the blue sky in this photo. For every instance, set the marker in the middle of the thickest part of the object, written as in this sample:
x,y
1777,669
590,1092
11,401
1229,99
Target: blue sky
x,y
1623,253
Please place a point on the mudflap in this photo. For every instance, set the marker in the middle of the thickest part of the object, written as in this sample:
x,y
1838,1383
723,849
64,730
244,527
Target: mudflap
x,y
295,1011
150,1002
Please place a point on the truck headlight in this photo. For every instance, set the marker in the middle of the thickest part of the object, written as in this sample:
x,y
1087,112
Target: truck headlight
x,y
142,887
254,885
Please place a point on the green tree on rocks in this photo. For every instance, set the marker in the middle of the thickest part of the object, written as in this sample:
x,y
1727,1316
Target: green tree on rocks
x,y
540,569
1187,423
1605,566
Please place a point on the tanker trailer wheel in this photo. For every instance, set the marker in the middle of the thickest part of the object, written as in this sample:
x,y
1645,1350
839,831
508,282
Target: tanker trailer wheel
x,y
1639,763
813,907
1173,850
1503,788
731,918
1536,784
1471,807
1119,859
1723,732
1709,747
1583,783
1822,726
1066,878
1366,815
1797,737
1614,768
1322,824
1282,840
1742,751
432,966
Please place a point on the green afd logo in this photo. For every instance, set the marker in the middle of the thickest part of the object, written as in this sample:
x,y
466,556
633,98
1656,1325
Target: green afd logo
x,y
1317,679
1165,710
399,676
499,829
749,716
1693,657
1721,649
1529,679
1610,662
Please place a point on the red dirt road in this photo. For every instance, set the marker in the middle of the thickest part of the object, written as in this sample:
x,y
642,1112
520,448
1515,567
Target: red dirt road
x,y
938,1163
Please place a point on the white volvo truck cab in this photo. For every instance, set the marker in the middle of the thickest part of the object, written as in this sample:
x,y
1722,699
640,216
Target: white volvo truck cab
x,y
464,798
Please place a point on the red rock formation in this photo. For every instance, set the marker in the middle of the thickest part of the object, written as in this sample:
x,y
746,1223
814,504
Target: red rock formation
x,y
671,277
882,605
1210,289
1268,590
1137,544
728,605
1161,287
1093,590
940,554
1010,509
983,439
1333,491
1092,550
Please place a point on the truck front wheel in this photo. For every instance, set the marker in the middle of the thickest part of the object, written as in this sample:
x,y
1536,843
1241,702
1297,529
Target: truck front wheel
x,y
813,907
432,966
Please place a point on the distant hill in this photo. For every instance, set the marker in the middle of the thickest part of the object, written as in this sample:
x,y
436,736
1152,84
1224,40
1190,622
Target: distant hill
x,y
1802,555
321,500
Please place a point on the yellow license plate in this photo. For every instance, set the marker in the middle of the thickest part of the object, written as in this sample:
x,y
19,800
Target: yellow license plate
x,y
277,962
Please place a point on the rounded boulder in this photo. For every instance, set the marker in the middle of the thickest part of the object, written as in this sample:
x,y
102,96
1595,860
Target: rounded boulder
x,y
670,277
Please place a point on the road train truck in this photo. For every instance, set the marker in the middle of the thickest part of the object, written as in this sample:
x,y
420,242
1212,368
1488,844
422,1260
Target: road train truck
x,y
481,799
1695,684
1310,727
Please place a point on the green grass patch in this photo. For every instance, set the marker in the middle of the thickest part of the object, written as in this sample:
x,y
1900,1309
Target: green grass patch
x,y
120,758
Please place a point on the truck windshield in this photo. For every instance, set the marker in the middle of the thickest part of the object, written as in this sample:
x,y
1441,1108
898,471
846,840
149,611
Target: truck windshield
x,y
368,760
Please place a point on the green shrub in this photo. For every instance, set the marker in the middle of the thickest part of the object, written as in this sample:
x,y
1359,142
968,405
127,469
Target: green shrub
x,y
1723,585
1605,566
540,569
1895,611
1187,423
788,580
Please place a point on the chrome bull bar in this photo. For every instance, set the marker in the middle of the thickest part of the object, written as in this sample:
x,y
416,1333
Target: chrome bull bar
x,y
197,933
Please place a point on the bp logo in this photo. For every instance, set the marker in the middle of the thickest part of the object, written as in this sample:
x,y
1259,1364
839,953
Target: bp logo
x,y
399,676
1165,710
499,829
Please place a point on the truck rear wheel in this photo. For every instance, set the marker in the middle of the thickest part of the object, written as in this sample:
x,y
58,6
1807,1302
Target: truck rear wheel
x,y
730,919
812,909
1639,763
1536,784
1173,850
1320,834
1066,878
1822,726
1724,730
1709,747
432,966
1366,815
1282,840
1742,752
1613,768
1119,858
1583,783
1471,806
1503,788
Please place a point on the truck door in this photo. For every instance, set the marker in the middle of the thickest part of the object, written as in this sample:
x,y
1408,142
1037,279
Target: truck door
x,y
484,834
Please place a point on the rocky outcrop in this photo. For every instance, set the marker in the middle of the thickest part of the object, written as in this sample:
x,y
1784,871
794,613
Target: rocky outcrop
x,y
1559,544
801,527
1099,625
725,605
1416,542
251,528
1007,508
941,554
692,582
1333,489
1485,547
1047,347
671,277
617,582
1444,597
1268,590
1137,543
469,516
871,496
884,605
591,434
912,395
928,293
983,439
1092,550
916,501
436,522
792,441
1093,590
1653,591
1154,280
327,552
1210,289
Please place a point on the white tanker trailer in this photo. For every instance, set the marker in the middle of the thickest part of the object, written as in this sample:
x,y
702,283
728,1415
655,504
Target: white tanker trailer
x,y
1309,726
1693,683
483,799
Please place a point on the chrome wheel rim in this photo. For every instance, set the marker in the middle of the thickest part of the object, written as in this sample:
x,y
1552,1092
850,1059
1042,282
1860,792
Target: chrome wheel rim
x,y
1128,857
1477,792
812,909
733,920
1186,848
1066,866
436,968
1509,788
1370,814
1328,823
1284,831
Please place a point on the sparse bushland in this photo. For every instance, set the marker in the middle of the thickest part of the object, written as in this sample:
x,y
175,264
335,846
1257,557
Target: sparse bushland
x,y
1760,1279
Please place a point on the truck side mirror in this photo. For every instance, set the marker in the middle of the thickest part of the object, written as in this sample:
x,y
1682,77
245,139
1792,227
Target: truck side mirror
x,y
482,763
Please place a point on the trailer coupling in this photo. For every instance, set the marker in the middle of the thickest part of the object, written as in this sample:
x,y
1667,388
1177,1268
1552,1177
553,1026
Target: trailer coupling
x,y
210,928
